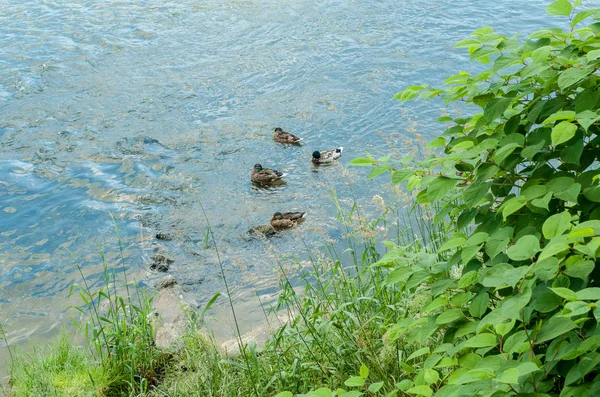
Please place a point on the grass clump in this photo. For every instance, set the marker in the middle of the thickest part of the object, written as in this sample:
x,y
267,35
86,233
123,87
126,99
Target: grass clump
x,y
60,369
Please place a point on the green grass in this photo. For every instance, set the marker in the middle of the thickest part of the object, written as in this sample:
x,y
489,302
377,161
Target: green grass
x,y
58,370
338,329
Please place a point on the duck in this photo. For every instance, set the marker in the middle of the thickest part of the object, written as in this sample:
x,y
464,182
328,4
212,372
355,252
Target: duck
x,y
327,156
265,175
282,136
286,220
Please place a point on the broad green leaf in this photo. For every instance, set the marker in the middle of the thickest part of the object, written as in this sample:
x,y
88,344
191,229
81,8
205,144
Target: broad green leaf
x,y
468,279
592,293
436,143
560,7
556,225
527,368
401,175
511,307
552,249
440,301
546,302
364,371
353,393
579,268
561,115
361,161
479,304
593,55
542,202
379,170
565,293
399,274
569,194
585,365
504,328
580,16
516,343
554,328
374,387
478,238
320,392
513,205
541,54
404,385
355,381
511,375
587,118
573,309
285,394
460,299
546,269
422,351
502,153
494,277
449,316
440,187
421,390
592,193
481,340
496,108
571,76
431,376
453,243
534,192
476,192
525,248
563,132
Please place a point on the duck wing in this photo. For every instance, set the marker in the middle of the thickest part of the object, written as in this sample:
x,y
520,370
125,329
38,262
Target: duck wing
x,y
283,223
294,216
286,137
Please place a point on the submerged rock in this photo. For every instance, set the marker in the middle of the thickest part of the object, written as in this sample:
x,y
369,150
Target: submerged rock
x,y
161,263
170,313
165,236
262,231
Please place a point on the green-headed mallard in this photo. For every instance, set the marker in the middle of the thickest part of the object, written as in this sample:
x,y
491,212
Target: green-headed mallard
x,y
282,136
286,220
265,175
327,156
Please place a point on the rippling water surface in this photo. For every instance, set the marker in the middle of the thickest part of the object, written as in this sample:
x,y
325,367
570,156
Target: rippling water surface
x,y
149,109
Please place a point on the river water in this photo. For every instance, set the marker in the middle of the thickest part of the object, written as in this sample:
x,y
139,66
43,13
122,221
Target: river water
x,y
152,110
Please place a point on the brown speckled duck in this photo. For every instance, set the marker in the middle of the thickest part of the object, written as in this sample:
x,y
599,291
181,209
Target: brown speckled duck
x,y
282,136
265,175
327,156
286,220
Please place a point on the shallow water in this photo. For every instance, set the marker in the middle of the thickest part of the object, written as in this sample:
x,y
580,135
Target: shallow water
x,y
150,110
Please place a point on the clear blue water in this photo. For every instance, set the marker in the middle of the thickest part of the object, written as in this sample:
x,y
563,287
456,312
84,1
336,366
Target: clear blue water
x,y
147,109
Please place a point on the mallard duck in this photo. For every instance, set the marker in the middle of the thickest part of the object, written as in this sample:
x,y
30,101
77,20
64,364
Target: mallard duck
x,y
327,156
265,175
285,137
286,220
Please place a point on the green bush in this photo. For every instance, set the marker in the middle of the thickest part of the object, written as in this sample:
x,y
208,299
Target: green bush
x,y
515,290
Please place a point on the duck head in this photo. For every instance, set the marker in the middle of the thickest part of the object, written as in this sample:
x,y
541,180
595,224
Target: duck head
x,y
276,216
258,167
278,130
316,154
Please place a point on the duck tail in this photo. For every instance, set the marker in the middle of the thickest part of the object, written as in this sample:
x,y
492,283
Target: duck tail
x,y
339,150
283,174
